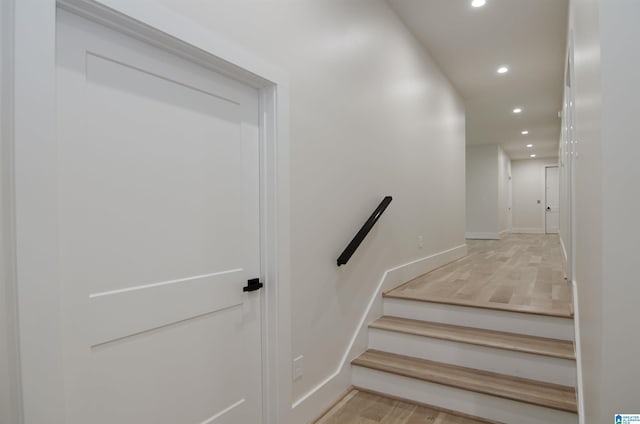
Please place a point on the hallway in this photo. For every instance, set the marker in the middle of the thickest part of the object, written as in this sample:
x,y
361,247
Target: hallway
x,y
520,272
179,178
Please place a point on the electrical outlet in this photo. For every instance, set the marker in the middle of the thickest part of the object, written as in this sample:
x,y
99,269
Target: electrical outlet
x,y
298,367
420,242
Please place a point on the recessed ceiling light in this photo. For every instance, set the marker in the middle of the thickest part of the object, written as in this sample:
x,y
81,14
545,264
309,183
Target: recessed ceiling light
x,y
503,70
524,132
478,3
517,110
529,145
532,156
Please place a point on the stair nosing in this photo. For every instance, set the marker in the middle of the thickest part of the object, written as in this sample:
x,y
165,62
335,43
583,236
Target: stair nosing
x,y
562,406
459,339
518,309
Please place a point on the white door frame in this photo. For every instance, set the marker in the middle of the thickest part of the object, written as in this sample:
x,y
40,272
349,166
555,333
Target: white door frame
x,y
570,156
509,200
35,183
9,387
546,201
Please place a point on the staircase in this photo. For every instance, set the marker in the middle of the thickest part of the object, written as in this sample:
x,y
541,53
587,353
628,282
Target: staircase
x,y
501,365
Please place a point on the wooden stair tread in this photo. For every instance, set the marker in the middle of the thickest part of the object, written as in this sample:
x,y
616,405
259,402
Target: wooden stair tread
x,y
524,309
519,389
490,338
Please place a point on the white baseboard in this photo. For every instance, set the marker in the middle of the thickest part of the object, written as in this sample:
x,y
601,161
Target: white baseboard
x,y
394,277
528,230
482,236
311,404
576,320
564,251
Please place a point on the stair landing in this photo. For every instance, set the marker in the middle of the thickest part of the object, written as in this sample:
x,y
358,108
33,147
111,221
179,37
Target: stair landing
x,y
519,273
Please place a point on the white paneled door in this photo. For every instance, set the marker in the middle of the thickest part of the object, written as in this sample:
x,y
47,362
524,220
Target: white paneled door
x,y
159,234
552,194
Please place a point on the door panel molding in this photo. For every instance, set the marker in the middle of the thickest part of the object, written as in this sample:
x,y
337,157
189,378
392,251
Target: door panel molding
x,y
35,185
163,305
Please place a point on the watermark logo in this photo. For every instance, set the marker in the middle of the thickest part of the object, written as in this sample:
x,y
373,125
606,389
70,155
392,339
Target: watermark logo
x,y
627,418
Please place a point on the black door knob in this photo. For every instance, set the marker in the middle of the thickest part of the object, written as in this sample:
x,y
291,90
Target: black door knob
x,y
252,285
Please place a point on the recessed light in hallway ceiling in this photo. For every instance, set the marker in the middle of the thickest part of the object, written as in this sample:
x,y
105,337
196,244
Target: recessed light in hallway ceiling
x,y
532,156
517,110
478,3
529,145
503,70
524,132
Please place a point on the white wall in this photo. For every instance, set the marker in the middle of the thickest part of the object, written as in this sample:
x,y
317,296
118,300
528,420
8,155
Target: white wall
x,y
529,188
488,169
584,23
504,174
371,115
482,196
607,99
619,32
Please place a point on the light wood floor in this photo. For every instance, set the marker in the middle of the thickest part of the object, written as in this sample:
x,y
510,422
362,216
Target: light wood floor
x,y
521,272
360,407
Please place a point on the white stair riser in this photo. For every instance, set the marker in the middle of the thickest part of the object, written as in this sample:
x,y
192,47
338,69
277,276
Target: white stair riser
x,y
518,364
466,402
490,319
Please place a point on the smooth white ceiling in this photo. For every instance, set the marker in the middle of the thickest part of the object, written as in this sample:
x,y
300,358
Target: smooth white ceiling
x,y
470,44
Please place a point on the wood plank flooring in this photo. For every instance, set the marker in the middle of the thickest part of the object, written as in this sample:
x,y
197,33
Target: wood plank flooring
x,y
520,389
497,339
520,272
360,407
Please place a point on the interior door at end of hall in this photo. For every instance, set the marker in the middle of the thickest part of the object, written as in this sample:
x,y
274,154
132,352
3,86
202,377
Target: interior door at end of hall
x,y
159,232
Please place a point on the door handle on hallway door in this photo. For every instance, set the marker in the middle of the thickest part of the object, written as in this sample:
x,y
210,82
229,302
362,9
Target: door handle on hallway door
x,y
252,285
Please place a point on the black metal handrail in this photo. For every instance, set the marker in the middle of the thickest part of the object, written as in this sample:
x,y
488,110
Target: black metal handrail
x,y
355,243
